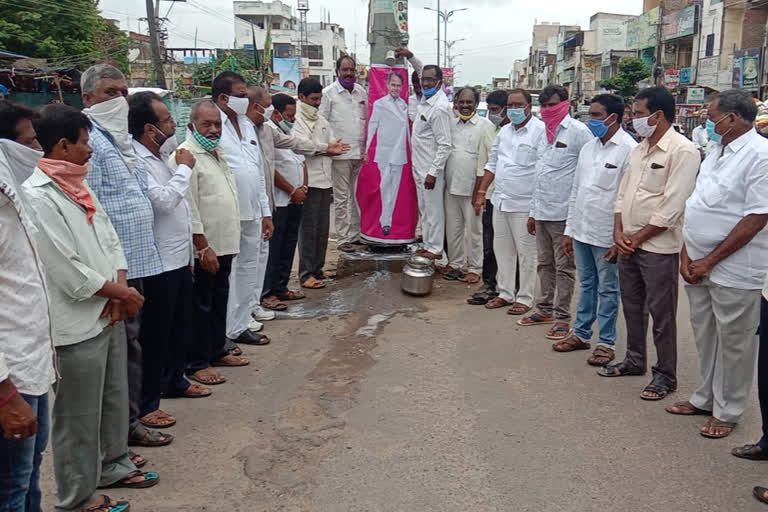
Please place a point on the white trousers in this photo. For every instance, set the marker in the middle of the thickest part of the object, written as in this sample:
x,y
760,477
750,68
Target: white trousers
x,y
432,212
512,243
344,177
463,229
247,277
724,324
389,187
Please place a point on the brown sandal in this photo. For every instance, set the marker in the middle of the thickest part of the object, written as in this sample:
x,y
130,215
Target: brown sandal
x,y
686,408
291,295
496,303
601,356
273,303
470,278
313,283
231,361
570,344
158,419
518,308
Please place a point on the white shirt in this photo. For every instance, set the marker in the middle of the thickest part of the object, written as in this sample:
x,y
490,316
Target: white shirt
x,y
554,173
318,167
290,165
413,106
461,168
595,185
173,224
431,139
244,160
513,162
700,137
26,346
346,112
389,122
729,188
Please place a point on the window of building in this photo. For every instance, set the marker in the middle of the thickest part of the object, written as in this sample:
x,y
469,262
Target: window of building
x,y
315,63
276,26
710,49
313,52
283,50
316,77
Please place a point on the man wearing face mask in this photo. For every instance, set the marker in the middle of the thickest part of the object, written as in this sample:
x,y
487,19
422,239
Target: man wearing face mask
x,y
511,167
723,262
648,219
497,115
589,228
469,133
241,150
213,202
558,156
345,106
167,315
389,122
430,148
119,180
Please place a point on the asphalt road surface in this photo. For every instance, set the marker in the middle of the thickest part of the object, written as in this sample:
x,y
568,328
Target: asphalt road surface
x,y
368,400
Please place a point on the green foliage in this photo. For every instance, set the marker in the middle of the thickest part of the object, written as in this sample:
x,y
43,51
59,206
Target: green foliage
x,y
631,71
67,32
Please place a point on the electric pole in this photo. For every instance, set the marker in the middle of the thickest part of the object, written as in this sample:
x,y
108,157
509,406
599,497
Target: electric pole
x,y
154,42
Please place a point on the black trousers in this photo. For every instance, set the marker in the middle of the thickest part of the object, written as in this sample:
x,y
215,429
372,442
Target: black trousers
x,y
282,248
762,371
490,267
313,233
132,332
166,335
211,292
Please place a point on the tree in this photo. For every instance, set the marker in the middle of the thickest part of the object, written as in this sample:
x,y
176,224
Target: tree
x,y
63,31
631,71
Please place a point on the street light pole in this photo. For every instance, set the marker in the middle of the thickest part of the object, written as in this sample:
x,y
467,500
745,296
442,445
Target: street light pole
x,y
445,15
438,32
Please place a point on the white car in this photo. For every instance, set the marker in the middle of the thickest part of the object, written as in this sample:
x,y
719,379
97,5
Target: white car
x,y
482,109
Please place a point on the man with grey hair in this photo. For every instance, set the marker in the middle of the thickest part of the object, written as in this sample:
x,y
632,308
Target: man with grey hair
x,y
119,181
723,261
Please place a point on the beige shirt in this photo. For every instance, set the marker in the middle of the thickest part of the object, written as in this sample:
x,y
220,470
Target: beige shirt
x,y
482,159
78,258
655,186
212,199
318,167
468,139
346,112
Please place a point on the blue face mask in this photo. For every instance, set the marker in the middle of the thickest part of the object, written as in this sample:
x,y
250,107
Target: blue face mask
x,y
598,127
429,92
713,135
516,115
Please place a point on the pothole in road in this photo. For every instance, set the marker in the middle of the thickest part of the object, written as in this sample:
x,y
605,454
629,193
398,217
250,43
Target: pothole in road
x,y
305,431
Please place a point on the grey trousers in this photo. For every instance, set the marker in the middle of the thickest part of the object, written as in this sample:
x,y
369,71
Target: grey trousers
x,y
313,233
556,271
648,284
724,324
89,431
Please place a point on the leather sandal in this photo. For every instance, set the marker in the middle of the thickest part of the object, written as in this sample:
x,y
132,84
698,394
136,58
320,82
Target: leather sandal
x,y
750,452
570,344
601,356
686,408
623,369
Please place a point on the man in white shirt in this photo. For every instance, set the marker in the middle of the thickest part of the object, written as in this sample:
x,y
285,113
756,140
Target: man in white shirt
x,y
345,107
26,347
557,156
214,207
389,123
240,149
589,228
463,226
511,167
723,261
168,316
430,149
699,135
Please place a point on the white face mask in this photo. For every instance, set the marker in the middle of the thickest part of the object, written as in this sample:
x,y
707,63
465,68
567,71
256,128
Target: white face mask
x,y
642,127
168,147
268,112
238,105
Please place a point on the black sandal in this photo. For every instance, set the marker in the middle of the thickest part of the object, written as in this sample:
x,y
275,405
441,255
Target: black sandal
x,y
150,480
760,493
750,452
453,275
659,386
624,370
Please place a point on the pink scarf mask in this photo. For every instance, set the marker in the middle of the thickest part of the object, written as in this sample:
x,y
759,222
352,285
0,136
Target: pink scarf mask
x,y
69,177
553,116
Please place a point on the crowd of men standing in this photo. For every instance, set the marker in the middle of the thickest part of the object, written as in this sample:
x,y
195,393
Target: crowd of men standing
x,y
144,263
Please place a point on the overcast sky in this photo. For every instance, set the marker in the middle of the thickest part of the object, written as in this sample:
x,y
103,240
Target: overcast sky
x,y
495,35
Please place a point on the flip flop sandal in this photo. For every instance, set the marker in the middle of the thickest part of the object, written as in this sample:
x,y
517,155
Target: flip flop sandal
x,y
316,284
221,380
453,275
656,386
329,274
558,332
291,295
237,352
470,280
149,424
224,364
150,480
186,393
275,305
478,299
518,309
714,422
534,319
686,405
750,452
760,493
105,506
624,370
141,463
155,439
497,303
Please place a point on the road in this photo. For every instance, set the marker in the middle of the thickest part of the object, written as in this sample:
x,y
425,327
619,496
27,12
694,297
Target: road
x,y
368,400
